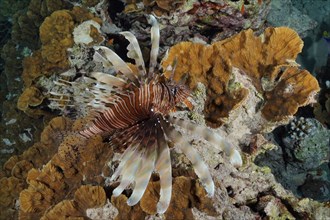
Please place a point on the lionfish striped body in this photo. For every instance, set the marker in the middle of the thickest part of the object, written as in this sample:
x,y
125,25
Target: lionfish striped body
x,y
148,102
133,108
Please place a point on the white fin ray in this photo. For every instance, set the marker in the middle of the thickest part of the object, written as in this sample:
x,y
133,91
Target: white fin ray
x,y
109,79
127,155
134,52
144,173
97,57
199,166
118,64
155,35
129,172
164,169
215,139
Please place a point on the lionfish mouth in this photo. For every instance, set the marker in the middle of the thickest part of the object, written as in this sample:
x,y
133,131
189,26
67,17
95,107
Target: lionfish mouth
x,y
134,107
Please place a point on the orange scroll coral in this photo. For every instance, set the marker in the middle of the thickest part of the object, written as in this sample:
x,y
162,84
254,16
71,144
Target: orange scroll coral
x,y
268,63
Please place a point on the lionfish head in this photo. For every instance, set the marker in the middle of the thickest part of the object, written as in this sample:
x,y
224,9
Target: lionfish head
x,y
179,91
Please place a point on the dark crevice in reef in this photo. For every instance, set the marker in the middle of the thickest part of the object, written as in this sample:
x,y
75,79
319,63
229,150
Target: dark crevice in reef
x,y
257,206
115,6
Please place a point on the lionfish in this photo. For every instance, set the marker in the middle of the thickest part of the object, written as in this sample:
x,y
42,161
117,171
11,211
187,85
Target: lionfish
x,y
134,108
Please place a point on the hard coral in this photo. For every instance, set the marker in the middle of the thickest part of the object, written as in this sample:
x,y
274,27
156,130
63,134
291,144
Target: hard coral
x,y
15,170
85,197
30,98
194,20
266,62
77,160
56,37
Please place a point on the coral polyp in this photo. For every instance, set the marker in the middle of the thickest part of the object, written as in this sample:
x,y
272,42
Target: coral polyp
x,y
132,108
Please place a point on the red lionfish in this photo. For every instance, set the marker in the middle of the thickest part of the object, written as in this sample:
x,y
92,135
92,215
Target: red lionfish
x,y
135,110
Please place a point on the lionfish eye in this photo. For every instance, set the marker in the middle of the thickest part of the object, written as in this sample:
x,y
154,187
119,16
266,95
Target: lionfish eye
x,y
174,90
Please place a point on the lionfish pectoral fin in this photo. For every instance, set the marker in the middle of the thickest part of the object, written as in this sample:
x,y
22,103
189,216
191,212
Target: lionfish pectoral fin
x,y
164,169
155,35
143,175
129,172
215,139
219,142
118,64
134,52
127,155
199,166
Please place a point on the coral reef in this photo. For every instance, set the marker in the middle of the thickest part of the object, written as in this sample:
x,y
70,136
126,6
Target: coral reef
x,y
199,21
295,19
62,185
24,37
76,162
230,72
308,142
301,158
30,98
250,83
16,168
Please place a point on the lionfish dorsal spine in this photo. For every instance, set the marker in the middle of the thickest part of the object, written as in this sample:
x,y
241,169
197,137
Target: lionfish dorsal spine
x,y
108,79
118,64
134,52
155,35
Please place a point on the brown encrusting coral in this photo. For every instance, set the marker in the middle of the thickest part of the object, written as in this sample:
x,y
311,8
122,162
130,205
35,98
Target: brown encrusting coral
x,y
267,62
77,161
31,97
15,170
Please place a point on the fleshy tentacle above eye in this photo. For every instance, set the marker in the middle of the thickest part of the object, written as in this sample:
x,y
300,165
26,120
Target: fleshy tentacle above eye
x,y
199,166
154,45
212,137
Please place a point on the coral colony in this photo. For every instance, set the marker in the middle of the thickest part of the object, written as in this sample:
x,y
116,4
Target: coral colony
x,y
135,109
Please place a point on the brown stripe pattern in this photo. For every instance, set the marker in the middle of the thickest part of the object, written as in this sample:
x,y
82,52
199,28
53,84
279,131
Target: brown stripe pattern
x,y
130,108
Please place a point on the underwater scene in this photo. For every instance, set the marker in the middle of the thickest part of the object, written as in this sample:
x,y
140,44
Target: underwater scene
x,y
165,109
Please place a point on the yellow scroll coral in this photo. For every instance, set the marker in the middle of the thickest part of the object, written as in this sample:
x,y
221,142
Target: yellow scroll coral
x,y
56,37
15,170
77,160
267,61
